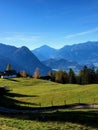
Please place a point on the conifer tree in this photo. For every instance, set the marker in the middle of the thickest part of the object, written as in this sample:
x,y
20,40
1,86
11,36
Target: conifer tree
x,y
71,76
92,76
84,74
96,76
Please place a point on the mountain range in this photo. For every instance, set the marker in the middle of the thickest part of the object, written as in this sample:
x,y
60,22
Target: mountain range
x,y
20,59
83,53
75,55
44,52
46,58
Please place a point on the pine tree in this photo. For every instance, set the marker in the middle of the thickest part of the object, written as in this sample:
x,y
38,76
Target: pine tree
x,y
92,76
84,74
72,78
96,76
87,75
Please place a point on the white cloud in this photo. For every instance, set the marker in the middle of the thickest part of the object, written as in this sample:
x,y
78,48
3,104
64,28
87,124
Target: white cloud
x,y
82,33
14,36
21,38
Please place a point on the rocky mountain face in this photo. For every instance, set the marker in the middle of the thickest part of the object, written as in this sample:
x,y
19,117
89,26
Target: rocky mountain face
x,y
20,59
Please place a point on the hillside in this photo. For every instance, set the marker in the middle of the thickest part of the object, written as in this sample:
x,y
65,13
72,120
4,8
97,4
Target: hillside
x,y
20,59
31,93
83,53
36,93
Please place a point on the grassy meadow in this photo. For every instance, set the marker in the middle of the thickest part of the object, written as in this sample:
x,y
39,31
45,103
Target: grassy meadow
x,y
39,93
31,93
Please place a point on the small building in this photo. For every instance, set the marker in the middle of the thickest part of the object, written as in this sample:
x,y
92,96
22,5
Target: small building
x,y
8,74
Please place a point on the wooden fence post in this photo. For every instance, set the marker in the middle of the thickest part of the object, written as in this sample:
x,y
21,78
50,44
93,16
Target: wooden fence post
x,y
79,101
64,102
94,103
52,103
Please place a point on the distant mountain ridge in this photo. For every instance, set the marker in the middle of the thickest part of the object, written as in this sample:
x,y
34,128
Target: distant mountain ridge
x,y
20,59
83,53
72,56
44,52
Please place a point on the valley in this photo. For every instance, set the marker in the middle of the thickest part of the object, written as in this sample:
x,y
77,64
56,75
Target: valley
x,y
70,56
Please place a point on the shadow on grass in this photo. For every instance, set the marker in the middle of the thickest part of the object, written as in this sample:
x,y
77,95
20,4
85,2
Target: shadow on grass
x,y
7,100
88,118
19,95
13,80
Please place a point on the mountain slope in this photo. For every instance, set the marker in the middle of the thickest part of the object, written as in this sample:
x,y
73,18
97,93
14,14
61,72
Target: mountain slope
x,y
84,53
20,59
62,64
80,54
45,52
29,61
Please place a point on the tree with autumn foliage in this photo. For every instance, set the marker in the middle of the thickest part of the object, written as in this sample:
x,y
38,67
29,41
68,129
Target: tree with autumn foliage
x,y
9,67
23,74
36,73
61,77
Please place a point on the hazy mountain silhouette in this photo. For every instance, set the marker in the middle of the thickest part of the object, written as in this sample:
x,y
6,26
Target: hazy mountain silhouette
x,y
44,52
83,53
20,59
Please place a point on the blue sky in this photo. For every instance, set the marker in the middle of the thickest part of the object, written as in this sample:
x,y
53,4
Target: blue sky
x,y
56,23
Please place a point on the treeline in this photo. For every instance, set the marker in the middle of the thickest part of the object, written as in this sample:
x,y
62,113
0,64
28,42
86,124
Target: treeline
x,y
85,76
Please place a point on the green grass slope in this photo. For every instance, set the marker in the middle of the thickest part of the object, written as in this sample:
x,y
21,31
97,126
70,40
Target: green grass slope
x,y
38,93
29,92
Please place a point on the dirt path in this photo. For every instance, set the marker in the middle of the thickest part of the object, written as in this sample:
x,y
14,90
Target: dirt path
x,y
9,110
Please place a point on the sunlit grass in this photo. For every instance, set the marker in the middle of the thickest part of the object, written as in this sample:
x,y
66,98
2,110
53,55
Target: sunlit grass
x,y
18,124
45,93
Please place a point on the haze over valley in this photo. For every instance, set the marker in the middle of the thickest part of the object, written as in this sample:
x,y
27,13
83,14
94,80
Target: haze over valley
x,y
70,56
